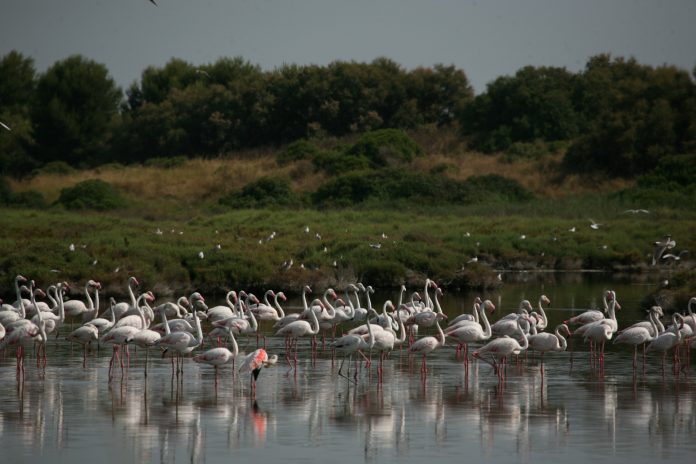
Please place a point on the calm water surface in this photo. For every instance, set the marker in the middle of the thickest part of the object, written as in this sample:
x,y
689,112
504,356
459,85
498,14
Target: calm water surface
x,y
66,413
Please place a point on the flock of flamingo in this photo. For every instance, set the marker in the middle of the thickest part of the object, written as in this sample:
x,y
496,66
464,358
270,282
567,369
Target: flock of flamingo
x,y
179,332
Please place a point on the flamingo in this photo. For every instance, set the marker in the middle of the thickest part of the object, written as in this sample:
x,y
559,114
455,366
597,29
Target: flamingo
x,y
56,318
427,318
135,320
591,315
182,343
473,317
500,348
640,335
427,345
473,332
122,307
19,302
219,356
545,342
667,340
300,328
544,322
22,333
220,312
385,340
101,324
290,318
253,362
76,307
599,332
351,343
84,335
653,325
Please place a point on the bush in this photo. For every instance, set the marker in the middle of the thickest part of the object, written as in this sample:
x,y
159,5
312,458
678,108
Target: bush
x,y
91,194
386,147
297,150
263,193
399,184
27,199
56,167
339,163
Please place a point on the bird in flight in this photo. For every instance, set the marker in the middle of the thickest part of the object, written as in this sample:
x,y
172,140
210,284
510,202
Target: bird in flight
x,y
5,126
153,2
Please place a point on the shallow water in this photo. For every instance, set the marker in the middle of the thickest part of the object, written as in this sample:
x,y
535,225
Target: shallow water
x,y
66,413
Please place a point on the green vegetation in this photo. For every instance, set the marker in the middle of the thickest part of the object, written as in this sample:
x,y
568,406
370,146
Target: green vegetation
x,y
91,194
356,150
430,242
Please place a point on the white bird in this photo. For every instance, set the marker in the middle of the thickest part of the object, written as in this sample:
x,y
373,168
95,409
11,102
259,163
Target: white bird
x,y
572,229
640,335
544,342
5,126
71,247
499,349
427,345
201,255
594,225
219,356
376,245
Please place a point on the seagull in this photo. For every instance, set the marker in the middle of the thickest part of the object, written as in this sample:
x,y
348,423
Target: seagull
x,y
467,234
667,243
672,257
317,236
94,263
153,2
306,229
71,247
218,246
326,250
201,255
335,264
384,235
117,269
594,225
376,246
159,231
572,229
522,237
473,260
5,126
201,71
55,270
636,211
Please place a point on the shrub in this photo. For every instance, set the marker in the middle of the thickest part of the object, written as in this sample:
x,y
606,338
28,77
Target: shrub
x,y
386,147
27,199
297,150
263,193
91,194
56,167
338,163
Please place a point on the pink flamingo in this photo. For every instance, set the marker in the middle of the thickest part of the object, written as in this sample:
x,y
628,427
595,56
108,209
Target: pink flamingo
x,y
499,349
544,342
472,332
253,362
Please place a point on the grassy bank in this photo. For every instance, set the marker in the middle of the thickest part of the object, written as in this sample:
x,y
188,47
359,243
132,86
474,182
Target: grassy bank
x,y
429,241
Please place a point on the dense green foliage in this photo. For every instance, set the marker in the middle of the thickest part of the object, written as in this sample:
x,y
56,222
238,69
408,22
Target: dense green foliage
x,y
670,183
91,194
25,199
263,193
393,185
616,116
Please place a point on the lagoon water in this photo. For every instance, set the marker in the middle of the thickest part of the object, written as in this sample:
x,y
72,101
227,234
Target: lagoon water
x,y
67,414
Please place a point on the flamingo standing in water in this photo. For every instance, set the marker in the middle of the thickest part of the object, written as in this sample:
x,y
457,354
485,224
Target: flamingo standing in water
x,y
219,356
472,332
253,362
182,343
638,334
352,343
300,328
499,349
668,340
426,345
545,342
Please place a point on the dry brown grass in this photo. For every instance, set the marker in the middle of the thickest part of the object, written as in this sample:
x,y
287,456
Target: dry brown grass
x,y
540,177
209,179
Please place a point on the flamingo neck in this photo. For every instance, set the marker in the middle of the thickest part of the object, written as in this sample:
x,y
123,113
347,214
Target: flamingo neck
x,y
134,301
487,331
562,342
281,313
543,315
233,342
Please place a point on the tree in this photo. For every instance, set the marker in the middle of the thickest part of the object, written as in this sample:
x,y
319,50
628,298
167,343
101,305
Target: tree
x,y
76,102
17,87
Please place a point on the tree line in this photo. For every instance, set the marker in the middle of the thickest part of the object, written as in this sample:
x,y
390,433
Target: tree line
x,y
615,116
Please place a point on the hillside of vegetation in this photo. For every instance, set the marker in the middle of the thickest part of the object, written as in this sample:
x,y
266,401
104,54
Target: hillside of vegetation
x,y
397,173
